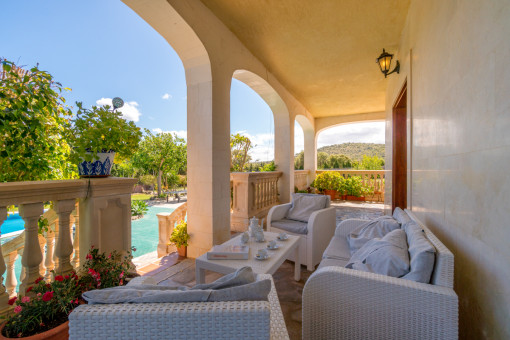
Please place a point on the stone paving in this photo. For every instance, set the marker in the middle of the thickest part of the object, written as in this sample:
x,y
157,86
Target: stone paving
x,y
173,270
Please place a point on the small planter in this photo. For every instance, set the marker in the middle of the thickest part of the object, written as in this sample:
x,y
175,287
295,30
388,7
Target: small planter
x,y
355,198
60,332
330,193
182,251
344,197
100,167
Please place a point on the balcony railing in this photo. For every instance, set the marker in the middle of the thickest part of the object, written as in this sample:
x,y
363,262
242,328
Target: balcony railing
x,y
100,209
301,179
372,178
253,194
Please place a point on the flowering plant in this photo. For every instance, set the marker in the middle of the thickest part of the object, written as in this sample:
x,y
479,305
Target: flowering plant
x,y
46,307
105,271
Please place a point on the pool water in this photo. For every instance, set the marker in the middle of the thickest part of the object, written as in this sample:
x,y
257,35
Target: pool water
x,y
144,233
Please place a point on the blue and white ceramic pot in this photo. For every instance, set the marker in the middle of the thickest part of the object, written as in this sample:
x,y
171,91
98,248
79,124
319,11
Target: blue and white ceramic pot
x,y
99,167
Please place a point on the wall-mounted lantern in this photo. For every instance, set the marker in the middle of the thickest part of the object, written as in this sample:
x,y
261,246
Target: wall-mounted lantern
x,y
384,62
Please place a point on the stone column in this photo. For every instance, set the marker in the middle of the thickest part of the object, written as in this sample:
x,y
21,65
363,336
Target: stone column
x,y
105,216
284,153
32,255
208,160
310,152
64,246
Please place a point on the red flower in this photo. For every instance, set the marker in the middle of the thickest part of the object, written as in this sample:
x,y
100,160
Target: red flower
x,y
59,278
48,285
18,309
29,289
38,280
12,300
67,277
47,296
88,257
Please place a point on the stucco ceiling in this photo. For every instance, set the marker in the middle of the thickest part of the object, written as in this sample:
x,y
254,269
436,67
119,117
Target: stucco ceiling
x,y
322,51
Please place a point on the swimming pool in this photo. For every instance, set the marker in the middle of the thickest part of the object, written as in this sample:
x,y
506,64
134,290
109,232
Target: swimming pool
x,y
144,233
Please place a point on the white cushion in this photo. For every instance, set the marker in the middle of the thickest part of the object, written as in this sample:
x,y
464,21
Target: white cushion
x,y
422,254
338,248
386,256
369,230
401,216
292,226
304,205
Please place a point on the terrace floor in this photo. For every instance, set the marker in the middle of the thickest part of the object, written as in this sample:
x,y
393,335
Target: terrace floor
x,y
173,270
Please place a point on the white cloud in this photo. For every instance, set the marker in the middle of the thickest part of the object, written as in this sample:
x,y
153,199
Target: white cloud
x,y
180,133
355,133
167,96
129,110
263,146
299,139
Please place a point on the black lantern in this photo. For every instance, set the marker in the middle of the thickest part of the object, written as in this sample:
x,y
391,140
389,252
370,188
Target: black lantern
x,y
384,62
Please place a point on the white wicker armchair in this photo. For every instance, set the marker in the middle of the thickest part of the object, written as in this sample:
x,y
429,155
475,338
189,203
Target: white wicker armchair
x,y
321,227
341,303
192,320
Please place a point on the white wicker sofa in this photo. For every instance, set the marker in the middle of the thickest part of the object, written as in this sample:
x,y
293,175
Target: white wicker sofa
x,y
190,320
341,303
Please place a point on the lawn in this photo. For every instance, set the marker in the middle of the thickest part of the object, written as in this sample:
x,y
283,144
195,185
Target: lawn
x,y
140,197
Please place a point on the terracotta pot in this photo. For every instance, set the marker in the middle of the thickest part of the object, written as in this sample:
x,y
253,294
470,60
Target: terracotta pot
x,y
330,193
58,333
182,251
355,198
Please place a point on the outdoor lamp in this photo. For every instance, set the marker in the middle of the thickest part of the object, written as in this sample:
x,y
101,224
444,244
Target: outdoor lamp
x,y
384,62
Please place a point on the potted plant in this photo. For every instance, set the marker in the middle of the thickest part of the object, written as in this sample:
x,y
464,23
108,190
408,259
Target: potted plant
x,y
43,312
180,237
355,189
96,135
329,183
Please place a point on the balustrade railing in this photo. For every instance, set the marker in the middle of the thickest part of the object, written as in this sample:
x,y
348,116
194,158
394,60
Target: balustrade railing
x,y
301,179
372,178
166,224
105,210
253,194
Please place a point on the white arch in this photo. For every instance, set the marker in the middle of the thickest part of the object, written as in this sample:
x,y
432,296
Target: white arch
x,y
284,132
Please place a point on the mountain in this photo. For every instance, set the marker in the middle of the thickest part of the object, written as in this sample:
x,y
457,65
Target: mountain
x,y
354,151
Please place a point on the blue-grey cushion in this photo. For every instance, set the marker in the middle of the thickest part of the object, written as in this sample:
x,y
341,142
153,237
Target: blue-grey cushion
x,y
292,226
304,205
369,230
332,263
422,254
386,256
338,248
401,216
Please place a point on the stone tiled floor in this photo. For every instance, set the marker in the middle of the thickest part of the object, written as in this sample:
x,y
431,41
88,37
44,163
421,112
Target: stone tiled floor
x,y
173,270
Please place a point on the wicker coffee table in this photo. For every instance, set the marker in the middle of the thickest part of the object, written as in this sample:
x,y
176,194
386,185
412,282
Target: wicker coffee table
x,y
269,266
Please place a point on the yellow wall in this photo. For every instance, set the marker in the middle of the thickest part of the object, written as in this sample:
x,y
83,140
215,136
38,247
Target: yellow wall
x,y
455,56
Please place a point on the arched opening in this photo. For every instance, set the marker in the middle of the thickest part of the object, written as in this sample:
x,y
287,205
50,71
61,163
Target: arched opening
x,y
357,152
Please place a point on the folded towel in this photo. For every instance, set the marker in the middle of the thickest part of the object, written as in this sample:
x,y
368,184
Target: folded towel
x,y
237,286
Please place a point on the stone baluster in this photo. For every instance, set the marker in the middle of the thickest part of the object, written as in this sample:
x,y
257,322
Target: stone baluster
x,y
23,272
10,278
42,244
164,233
49,261
4,296
64,246
32,255
76,241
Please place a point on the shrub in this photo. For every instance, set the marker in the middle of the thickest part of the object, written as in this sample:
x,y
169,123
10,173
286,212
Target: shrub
x,y
354,187
329,180
139,208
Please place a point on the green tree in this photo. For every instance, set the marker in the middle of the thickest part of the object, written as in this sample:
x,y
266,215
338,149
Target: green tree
x,y
239,147
322,160
161,153
370,163
33,117
338,162
299,161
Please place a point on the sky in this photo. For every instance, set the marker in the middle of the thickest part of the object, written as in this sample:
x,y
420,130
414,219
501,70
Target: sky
x,y
101,49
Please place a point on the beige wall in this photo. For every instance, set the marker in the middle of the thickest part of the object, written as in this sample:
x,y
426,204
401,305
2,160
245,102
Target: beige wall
x,y
455,56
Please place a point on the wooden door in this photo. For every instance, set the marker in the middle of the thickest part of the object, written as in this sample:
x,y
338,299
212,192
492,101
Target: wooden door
x,y
399,166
